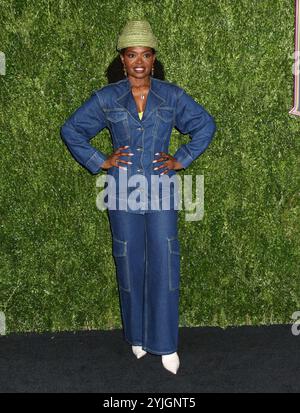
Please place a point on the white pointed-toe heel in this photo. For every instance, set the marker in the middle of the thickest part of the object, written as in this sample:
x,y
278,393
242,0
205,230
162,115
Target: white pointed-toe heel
x,y
138,351
171,362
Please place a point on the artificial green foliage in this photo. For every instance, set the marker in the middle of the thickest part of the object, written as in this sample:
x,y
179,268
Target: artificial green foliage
x,y
240,263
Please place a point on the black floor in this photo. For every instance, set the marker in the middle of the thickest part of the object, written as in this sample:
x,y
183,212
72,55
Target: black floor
x,y
244,359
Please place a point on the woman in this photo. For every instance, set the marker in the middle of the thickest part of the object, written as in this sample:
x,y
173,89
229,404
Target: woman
x,y
140,112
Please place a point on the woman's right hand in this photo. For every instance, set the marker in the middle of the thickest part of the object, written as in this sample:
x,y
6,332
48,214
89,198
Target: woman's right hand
x,y
114,158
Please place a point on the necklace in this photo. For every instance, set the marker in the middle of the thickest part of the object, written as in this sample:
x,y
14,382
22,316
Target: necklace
x,y
142,95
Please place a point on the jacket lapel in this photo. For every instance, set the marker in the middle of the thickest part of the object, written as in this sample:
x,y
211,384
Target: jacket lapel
x,y
153,101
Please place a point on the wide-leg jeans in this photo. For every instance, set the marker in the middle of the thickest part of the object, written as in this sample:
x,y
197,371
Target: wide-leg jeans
x,y
146,252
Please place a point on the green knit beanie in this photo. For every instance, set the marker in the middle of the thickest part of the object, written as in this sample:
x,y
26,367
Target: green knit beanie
x,y
137,33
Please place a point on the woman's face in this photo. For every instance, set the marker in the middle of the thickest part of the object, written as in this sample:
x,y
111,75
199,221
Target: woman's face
x,y
138,61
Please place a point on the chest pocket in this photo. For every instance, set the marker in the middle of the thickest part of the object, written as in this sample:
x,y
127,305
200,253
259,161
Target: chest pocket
x,y
166,114
116,116
119,126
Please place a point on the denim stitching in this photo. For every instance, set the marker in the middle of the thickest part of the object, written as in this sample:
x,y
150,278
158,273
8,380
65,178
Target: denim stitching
x,y
143,151
131,342
126,125
170,253
166,119
125,256
154,134
91,159
187,153
150,350
116,119
146,287
158,352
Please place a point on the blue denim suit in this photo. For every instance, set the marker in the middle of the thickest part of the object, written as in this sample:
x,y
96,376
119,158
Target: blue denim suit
x,y
145,242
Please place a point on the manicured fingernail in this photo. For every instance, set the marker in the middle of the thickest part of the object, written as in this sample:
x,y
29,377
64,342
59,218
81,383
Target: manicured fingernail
x,y
155,168
154,161
131,154
157,153
126,146
129,162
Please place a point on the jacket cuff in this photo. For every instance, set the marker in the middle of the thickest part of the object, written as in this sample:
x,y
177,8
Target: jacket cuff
x,y
95,162
183,156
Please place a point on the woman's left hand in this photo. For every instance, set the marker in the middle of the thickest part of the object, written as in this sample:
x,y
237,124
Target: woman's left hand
x,y
169,162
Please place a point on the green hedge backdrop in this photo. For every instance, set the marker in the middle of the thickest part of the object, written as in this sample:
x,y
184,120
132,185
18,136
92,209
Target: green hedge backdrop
x,y
240,263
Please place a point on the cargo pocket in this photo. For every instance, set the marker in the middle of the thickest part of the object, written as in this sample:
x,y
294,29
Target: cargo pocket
x,y
122,265
173,263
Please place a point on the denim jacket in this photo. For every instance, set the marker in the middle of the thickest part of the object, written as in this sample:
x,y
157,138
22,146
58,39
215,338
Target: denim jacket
x,y
113,106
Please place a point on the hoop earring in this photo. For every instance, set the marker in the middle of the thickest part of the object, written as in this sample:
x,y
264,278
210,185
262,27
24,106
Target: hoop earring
x,y
152,71
125,72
